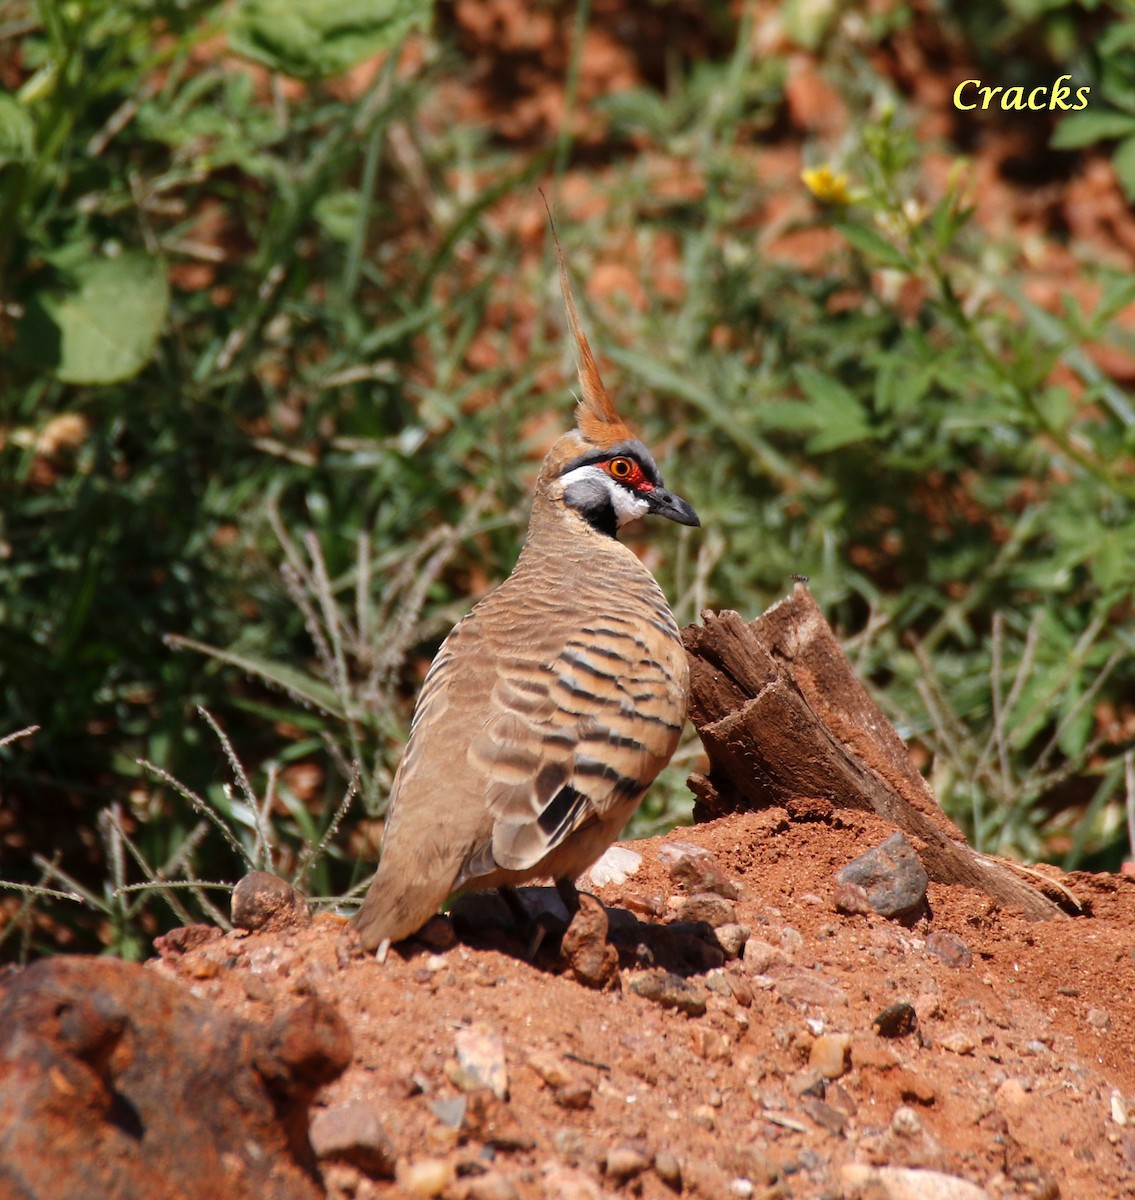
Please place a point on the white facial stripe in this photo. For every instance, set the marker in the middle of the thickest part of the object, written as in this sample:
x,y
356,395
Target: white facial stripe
x,y
588,487
628,506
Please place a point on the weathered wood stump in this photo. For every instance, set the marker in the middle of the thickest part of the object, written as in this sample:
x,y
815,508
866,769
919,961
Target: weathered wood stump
x,y
782,717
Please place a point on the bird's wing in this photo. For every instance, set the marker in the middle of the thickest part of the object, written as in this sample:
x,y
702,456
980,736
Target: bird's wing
x,y
527,727
571,737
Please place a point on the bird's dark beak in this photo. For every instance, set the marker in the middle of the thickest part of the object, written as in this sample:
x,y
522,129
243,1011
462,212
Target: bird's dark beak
x,y
672,507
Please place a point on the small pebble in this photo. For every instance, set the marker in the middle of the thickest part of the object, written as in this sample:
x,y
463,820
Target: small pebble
x,y
574,1096
593,960
480,1058
790,940
958,1042
741,1187
492,1186
261,901
703,1116
949,949
625,1162
569,1144
906,1183
1011,1094
552,1069
807,987
450,1110
670,991
424,1176
718,982
830,1054
709,907
928,1006
1098,1018
696,870
825,1115
896,1020
906,1122
565,1183
808,1082
616,864
840,1099
668,1169
710,1044
759,956
352,1133
732,937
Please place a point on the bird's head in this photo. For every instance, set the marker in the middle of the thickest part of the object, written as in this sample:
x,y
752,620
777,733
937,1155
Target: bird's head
x,y
600,469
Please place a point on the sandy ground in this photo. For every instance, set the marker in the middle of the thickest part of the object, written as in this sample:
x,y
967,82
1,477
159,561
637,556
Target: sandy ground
x,y
1015,1073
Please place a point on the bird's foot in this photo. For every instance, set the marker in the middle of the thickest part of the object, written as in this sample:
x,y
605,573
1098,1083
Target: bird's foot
x,y
539,927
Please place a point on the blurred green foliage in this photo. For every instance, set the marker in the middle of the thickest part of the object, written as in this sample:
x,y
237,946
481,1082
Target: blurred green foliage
x,y
266,489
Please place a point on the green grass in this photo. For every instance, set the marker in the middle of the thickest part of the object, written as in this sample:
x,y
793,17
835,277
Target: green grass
x,y
247,465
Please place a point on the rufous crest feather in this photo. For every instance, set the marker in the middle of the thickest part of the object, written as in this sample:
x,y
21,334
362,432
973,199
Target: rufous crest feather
x,y
595,415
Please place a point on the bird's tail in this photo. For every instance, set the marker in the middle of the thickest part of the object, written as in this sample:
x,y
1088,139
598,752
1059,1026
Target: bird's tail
x,y
394,909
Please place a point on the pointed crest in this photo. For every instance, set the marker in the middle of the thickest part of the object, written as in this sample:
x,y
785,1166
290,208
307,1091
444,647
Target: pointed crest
x,y
595,415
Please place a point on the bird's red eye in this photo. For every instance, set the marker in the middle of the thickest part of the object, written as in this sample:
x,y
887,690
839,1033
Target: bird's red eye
x,y
621,468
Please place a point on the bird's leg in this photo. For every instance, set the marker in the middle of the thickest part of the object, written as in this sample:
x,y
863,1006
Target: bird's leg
x,y
569,894
538,927
520,914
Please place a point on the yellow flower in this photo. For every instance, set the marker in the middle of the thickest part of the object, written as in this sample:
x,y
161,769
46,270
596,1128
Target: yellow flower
x,y
828,186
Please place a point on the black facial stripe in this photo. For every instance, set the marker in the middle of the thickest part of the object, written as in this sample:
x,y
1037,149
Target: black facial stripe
x,y
634,450
602,517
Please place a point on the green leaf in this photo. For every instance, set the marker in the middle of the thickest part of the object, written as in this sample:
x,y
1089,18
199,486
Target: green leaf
x,y
1112,565
901,383
1087,128
839,417
17,132
315,39
338,213
103,327
297,684
1123,160
1118,293
873,244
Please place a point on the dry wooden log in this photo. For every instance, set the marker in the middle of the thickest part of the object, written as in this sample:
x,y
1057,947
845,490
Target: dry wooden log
x,y
782,717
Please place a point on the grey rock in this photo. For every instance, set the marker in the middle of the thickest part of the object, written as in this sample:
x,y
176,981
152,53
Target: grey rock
x,y
825,1115
905,1183
694,869
625,1162
668,1169
949,949
896,1020
807,987
731,937
709,907
261,901
892,876
450,1111
480,1059
353,1133
670,991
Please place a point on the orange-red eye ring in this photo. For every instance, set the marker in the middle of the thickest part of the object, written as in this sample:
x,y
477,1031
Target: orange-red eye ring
x,y
621,468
